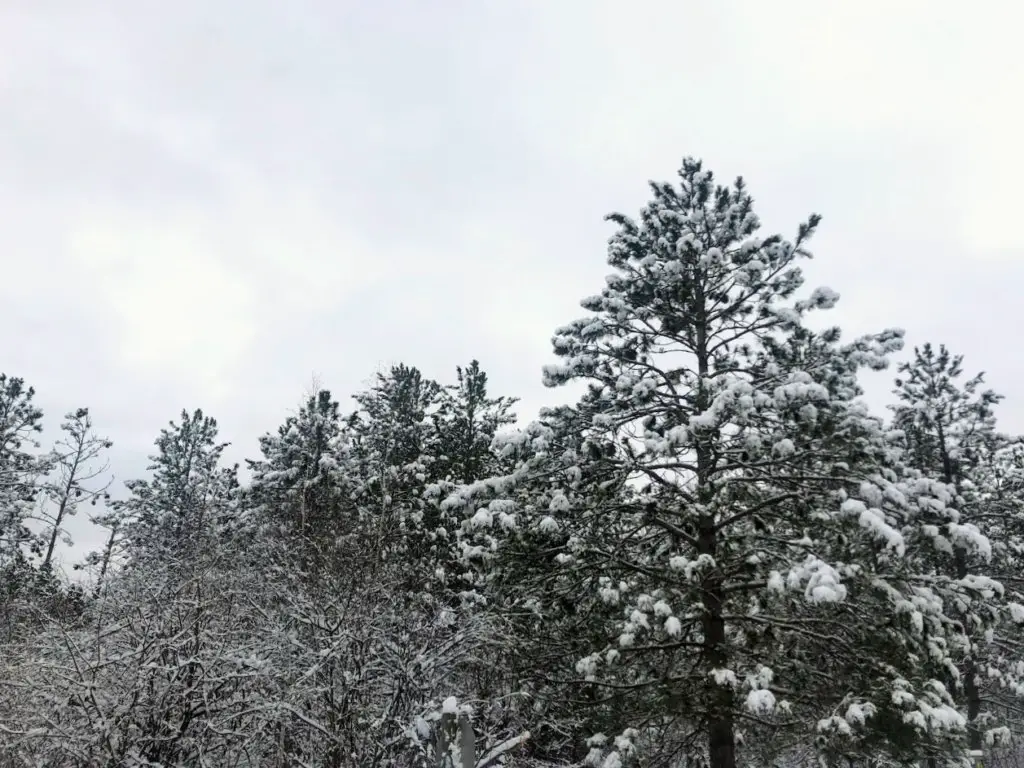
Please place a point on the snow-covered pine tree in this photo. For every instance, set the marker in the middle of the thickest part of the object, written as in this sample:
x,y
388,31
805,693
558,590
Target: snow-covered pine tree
x,y
101,563
410,443
21,467
467,420
79,475
513,555
465,424
297,483
759,555
393,421
22,471
946,422
371,641
189,497
949,429
391,449
998,488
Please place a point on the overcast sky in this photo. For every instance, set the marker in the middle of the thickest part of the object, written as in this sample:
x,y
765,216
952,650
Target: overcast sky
x,y
203,203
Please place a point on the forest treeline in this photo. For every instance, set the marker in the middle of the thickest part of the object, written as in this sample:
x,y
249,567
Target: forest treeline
x,y
718,556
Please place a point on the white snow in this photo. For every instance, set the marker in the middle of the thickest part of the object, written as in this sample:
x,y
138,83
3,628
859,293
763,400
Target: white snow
x,y
548,525
761,701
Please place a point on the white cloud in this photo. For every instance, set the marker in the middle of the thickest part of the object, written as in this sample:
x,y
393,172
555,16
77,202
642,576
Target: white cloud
x,y
190,292
750,82
993,161
177,309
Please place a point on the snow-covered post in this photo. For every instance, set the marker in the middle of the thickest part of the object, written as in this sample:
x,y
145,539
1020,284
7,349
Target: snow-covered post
x,y
455,740
454,729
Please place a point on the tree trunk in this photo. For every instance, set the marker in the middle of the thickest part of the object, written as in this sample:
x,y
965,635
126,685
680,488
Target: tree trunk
x,y
721,735
108,552
971,690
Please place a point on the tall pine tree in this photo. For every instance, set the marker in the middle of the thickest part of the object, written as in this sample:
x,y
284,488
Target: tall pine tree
x,y
949,428
468,418
78,475
297,480
189,497
734,501
21,467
